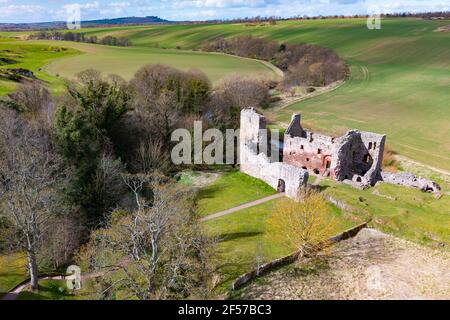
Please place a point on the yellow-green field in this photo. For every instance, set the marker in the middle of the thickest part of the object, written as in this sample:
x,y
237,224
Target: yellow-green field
x,y
53,65
125,61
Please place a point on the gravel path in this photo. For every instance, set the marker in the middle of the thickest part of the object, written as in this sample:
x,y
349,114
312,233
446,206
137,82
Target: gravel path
x,y
242,207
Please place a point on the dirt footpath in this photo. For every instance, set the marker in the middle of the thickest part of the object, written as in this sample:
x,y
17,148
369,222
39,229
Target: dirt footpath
x,y
373,265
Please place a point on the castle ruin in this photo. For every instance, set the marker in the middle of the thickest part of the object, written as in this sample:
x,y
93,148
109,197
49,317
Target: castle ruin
x,y
355,158
281,176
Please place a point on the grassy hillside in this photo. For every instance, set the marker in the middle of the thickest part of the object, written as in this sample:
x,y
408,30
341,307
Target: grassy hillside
x,y
125,61
405,212
31,57
399,85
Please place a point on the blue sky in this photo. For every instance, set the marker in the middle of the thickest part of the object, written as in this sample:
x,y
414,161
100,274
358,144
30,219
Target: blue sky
x,y
51,10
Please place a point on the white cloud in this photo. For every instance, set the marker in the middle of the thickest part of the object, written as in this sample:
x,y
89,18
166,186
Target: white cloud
x,y
217,3
193,15
119,4
13,10
32,10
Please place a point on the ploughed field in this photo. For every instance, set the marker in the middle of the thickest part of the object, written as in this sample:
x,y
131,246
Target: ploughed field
x,y
399,84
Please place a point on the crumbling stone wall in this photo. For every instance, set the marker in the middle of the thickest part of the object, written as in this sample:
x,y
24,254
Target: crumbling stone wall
x,y
355,158
410,180
280,176
306,149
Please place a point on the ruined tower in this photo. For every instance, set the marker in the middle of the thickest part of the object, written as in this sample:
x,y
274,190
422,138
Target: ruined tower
x,y
281,176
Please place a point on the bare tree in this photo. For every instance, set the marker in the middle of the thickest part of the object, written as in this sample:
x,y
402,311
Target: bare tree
x,y
150,157
233,94
143,137
31,173
34,100
245,92
64,234
160,248
107,186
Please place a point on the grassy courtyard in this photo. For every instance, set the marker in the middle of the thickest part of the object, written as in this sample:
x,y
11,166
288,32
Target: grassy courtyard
x,y
243,241
231,189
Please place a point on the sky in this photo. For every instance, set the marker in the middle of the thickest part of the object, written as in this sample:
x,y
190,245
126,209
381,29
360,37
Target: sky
x,y
21,11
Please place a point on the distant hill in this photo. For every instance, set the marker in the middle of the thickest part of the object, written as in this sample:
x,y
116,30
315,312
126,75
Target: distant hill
x,y
126,21
87,23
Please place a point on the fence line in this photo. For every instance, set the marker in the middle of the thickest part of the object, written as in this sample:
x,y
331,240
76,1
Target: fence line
x,y
247,277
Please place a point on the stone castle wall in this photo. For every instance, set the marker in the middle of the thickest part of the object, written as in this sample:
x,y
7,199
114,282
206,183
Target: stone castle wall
x,y
280,176
355,158
410,180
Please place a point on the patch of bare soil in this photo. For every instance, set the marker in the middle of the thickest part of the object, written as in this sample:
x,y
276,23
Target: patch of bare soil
x,y
373,265
443,29
302,93
199,179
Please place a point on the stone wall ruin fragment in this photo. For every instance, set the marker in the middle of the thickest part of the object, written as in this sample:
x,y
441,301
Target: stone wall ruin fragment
x,y
355,158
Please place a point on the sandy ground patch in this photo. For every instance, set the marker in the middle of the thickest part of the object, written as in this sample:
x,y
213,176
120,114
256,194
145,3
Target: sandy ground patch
x,y
373,265
443,29
199,179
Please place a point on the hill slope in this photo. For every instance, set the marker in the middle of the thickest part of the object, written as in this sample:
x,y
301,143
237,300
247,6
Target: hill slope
x,y
399,85
84,24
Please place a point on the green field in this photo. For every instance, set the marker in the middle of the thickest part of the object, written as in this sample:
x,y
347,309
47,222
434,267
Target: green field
x,y
52,64
32,57
125,61
399,84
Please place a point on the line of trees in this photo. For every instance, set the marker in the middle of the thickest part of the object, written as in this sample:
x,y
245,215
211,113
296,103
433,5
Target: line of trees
x,y
272,20
303,64
80,37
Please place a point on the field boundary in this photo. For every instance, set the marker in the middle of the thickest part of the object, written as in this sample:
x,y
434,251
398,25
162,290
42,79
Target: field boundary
x,y
269,65
265,268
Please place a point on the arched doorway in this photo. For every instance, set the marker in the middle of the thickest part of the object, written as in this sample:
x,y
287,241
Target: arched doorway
x,y
281,186
327,165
